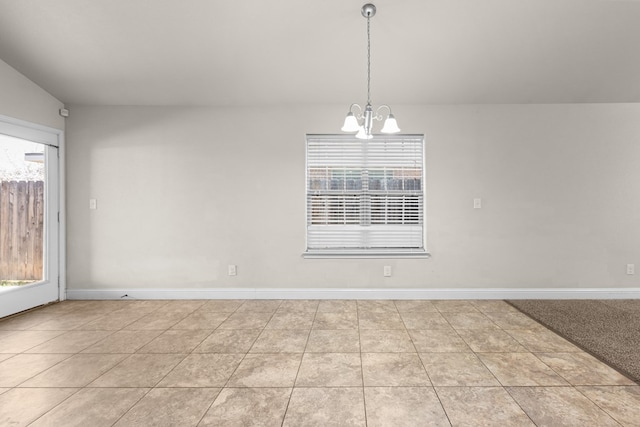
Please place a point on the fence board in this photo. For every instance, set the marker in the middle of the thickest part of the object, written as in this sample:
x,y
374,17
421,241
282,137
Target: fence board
x,y
21,230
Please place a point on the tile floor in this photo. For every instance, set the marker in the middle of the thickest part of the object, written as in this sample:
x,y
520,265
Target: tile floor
x,y
300,363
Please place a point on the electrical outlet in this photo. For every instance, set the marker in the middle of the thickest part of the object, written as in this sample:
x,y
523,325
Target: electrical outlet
x,y
387,271
631,269
233,270
477,203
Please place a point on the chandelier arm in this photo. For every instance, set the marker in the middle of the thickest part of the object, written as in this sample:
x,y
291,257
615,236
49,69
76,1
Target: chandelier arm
x,y
379,116
359,113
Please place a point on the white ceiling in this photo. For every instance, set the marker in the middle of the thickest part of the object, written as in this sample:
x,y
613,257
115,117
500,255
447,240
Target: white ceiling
x,y
256,52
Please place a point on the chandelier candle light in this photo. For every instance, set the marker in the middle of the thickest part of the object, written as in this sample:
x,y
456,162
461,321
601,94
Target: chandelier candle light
x,y
352,123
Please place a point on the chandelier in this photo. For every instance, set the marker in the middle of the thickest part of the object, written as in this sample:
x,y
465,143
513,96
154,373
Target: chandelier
x,y
361,121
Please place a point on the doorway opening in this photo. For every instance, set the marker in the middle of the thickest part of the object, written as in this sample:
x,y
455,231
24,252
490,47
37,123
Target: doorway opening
x,y
29,216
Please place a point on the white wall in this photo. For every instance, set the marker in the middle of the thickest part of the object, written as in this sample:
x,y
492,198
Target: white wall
x,y
22,99
183,192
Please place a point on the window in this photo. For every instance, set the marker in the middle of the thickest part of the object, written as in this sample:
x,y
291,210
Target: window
x,y
365,197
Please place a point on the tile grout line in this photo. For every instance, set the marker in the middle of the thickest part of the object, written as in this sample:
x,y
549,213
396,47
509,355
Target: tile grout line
x,y
304,351
444,411
204,414
149,389
364,395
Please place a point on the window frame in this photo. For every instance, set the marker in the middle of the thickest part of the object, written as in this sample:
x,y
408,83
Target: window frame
x,y
370,252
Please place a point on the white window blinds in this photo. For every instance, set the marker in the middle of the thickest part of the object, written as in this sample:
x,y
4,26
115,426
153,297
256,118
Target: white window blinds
x,y
365,196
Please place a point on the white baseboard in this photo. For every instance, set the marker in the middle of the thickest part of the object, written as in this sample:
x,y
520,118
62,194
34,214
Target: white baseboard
x,y
345,293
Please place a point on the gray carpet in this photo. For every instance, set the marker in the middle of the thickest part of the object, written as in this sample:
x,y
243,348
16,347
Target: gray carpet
x,y
607,329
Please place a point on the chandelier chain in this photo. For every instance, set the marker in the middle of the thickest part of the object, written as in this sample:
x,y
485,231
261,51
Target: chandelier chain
x,y
368,60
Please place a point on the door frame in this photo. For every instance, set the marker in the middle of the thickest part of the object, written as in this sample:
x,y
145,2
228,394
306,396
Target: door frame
x,y
53,138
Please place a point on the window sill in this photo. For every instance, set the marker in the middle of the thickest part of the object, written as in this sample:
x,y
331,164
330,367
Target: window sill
x,y
363,254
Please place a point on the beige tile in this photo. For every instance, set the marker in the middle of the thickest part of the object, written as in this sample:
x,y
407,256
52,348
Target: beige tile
x,y
512,320
21,406
291,320
559,406
25,321
326,407
266,370
156,321
375,320
426,320
393,370
127,313
24,340
490,341
202,370
139,370
457,369
481,406
182,306
176,341
66,322
4,334
337,306
403,407
95,407
142,307
438,341
469,321
393,341
123,342
423,306
145,306
334,341
245,407
182,407
520,369
299,306
260,306
63,307
376,306
138,313
223,305
454,306
228,341
330,370
21,367
70,342
246,320
76,371
542,341
583,369
336,320
207,320
99,307
622,403
281,341
493,306
112,322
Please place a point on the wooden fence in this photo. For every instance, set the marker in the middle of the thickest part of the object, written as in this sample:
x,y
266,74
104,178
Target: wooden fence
x,y
21,230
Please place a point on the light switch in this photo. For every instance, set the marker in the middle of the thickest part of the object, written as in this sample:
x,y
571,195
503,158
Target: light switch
x,y
93,204
477,203
232,270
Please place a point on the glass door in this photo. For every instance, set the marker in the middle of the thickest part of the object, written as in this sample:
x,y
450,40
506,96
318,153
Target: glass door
x,y
29,225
